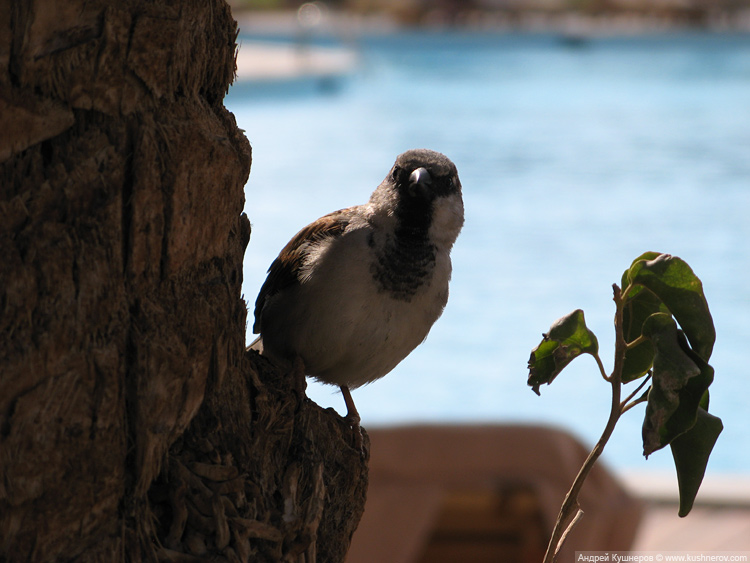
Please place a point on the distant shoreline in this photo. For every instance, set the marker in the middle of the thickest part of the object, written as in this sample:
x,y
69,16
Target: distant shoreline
x,y
564,22
301,56
259,61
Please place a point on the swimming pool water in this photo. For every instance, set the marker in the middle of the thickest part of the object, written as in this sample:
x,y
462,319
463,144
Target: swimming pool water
x,y
573,161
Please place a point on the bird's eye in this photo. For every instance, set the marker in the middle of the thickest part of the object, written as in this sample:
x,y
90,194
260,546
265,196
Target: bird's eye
x,y
394,174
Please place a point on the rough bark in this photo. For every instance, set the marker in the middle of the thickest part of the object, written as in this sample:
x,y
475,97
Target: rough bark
x,y
133,425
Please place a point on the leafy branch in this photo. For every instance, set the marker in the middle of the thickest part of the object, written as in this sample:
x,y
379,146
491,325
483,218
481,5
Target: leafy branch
x,y
664,335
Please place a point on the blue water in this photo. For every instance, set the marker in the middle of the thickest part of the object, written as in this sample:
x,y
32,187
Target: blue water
x,y
574,161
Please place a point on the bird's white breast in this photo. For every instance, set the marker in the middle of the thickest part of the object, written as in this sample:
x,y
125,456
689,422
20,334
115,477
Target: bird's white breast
x,y
346,328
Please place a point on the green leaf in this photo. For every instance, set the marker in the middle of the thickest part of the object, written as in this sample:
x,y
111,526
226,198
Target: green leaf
x,y
625,280
704,401
691,451
638,361
567,339
672,281
639,305
694,395
679,383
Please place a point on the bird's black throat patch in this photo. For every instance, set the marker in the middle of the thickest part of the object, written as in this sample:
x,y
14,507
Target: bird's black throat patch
x,y
406,261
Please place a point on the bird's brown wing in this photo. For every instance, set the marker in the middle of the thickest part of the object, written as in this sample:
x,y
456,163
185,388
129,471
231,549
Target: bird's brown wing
x,y
285,268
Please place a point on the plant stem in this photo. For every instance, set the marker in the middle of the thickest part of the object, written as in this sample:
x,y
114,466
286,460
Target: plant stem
x,y
601,367
570,511
629,406
636,342
626,405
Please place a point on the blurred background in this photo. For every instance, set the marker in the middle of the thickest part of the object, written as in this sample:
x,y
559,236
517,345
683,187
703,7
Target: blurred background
x,y
585,133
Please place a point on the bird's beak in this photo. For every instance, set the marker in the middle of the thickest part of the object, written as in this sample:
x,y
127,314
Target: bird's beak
x,y
419,180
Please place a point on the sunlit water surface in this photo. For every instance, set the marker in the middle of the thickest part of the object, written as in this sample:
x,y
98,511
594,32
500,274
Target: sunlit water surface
x,y
573,161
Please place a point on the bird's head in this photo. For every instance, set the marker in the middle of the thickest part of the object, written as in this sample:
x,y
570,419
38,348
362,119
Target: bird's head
x,y
423,193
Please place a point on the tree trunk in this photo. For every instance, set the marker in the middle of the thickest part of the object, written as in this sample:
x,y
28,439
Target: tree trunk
x,y
133,424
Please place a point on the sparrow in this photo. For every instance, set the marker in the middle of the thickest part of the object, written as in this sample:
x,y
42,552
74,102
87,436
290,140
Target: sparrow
x,y
353,293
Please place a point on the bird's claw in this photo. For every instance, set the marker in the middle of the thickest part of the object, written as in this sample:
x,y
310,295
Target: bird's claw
x,y
353,420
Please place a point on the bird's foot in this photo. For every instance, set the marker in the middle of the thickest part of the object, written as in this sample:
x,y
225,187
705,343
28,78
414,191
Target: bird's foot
x,y
358,441
352,417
